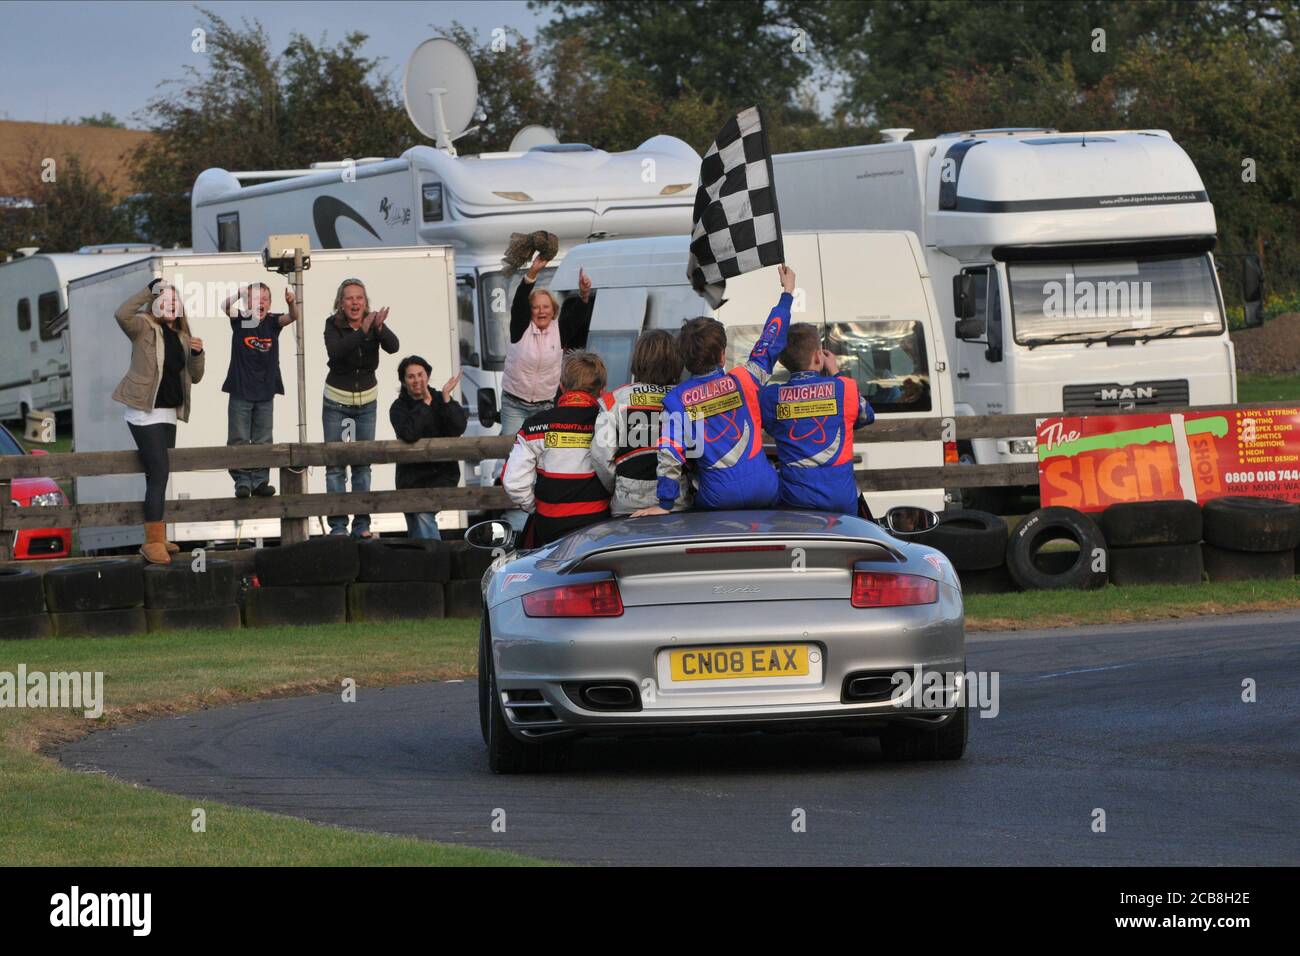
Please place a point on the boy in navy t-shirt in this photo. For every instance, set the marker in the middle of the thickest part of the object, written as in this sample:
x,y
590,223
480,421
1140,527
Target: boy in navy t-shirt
x,y
253,379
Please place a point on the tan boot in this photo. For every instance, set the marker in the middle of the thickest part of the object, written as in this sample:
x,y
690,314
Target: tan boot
x,y
171,548
155,543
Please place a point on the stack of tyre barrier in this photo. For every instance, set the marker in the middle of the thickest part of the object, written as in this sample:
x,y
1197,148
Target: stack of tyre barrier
x,y
22,605
465,589
399,578
975,542
1154,542
1250,538
96,598
304,583
191,592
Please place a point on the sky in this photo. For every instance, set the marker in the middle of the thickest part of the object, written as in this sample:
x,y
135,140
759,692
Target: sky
x,y
64,59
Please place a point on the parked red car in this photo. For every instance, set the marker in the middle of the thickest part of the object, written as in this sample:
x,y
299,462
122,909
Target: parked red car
x,y
35,492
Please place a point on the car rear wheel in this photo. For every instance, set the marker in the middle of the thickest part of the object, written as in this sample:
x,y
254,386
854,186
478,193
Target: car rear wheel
x,y
506,754
918,743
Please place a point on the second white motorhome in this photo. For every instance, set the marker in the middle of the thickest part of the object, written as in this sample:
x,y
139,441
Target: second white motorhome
x,y
1080,263
890,341
470,203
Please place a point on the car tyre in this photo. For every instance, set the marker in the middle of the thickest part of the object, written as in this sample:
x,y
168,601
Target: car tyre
x,y
1244,523
971,540
506,754
919,743
1047,524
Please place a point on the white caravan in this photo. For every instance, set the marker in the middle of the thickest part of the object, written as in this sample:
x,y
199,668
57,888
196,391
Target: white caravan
x,y
34,358
471,203
890,340
417,284
1080,264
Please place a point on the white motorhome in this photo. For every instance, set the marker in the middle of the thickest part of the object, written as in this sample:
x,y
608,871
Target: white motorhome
x,y
34,356
418,284
890,340
1080,264
471,203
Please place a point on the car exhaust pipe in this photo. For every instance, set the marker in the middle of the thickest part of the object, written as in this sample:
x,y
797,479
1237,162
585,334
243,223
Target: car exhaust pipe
x,y
605,695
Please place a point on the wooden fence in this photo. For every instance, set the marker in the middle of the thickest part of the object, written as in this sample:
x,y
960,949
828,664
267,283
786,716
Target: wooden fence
x,y
294,504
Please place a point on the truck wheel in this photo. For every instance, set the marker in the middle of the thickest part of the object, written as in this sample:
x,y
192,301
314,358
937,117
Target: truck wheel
x,y
304,604
1138,524
403,559
917,743
1052,524
971,540
329,559
21,594
179,586
115,622
394,600
1242,523
1224,565
190,619
25,627
1156,564
94,586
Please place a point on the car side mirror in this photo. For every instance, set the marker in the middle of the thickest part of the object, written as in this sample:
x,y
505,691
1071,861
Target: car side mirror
x,y
963,295
970,328
487,407
906,520
491,535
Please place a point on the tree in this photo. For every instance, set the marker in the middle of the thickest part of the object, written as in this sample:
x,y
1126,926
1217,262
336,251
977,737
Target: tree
x,y
71,205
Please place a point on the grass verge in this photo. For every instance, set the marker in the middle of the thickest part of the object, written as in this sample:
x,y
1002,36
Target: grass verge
x,y
1256,387
53,816
1111,605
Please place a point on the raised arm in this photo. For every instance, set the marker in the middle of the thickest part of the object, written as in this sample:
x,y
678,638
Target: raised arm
x,y
771,343
130,315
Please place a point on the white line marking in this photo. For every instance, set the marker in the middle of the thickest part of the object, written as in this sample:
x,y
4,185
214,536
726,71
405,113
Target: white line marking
x,y
1084,670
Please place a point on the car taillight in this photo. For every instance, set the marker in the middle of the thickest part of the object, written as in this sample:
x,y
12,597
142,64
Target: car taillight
x,y
884,589
594,599
950,456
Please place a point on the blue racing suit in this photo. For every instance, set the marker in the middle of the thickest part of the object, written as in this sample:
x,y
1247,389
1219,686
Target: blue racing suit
x,y
812,418
715,420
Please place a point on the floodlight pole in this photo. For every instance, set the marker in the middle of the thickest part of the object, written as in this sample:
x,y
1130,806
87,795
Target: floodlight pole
x,y
293,530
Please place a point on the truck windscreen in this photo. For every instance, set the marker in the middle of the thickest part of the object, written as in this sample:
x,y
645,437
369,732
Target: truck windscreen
x,y
1113,299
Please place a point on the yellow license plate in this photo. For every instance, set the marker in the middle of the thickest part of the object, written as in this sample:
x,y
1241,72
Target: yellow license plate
x,y
729,663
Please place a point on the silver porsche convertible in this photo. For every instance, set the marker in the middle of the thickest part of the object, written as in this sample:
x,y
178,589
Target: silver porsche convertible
x,y
720,621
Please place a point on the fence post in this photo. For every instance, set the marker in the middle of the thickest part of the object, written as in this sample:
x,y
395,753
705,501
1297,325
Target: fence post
x,y
293,530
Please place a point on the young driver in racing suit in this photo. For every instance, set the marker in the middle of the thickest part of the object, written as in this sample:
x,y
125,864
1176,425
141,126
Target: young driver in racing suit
x,y
713,418
812,417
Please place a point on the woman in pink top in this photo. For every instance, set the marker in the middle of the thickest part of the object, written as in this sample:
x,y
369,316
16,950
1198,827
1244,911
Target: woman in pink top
x,y
538,342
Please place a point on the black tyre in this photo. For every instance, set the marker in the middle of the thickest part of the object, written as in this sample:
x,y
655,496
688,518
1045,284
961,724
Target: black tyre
x,y
105,585
21,593
1224,565
463,598
1242,523
331,559
483,639
390,601
507,754
920,743
971,540
990,581
403,559
305,604
1139,524
116,622
469,563
190,619
1156,564
179,586
1033,572
25,627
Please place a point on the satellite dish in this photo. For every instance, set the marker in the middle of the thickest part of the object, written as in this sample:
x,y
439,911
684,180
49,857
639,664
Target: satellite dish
x,y
440,90
531,136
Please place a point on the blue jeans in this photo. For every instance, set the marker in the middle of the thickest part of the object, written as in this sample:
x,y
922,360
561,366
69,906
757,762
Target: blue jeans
x,y
514,412
249,423
334,416
423,524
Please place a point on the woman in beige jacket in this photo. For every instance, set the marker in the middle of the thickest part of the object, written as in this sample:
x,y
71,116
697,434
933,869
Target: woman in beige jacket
x,y
165,361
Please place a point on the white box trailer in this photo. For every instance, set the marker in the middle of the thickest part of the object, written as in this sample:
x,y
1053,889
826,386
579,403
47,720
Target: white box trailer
x,y
1087,256
35,361
869,291
417,284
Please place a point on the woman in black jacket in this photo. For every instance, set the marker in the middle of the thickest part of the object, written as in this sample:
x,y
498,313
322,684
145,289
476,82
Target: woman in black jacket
x,y
353,337
419,412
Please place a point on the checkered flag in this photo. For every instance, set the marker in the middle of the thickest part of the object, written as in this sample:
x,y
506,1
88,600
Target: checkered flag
x,y
736,228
